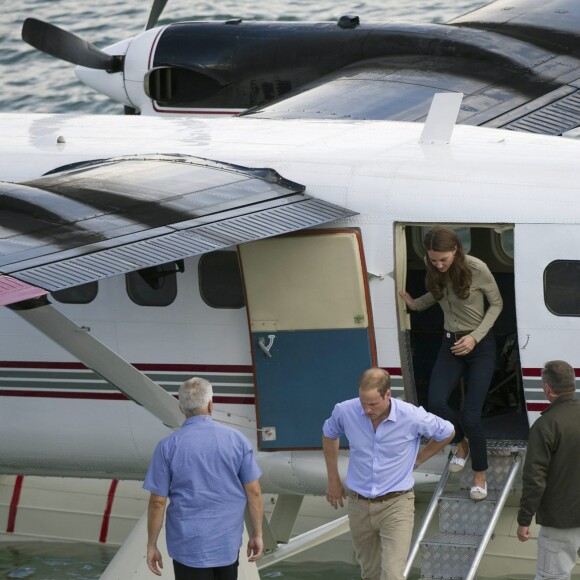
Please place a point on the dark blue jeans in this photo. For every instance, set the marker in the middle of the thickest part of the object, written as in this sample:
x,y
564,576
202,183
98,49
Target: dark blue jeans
x,y
478,367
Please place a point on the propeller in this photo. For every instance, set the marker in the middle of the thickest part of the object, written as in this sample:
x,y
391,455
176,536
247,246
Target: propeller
x,y
156,10
67,46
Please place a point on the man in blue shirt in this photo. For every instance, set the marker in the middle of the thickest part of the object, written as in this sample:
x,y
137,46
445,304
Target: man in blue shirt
x,y
209,473
384,435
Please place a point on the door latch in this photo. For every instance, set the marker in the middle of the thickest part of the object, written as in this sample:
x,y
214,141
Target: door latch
x,y
266,347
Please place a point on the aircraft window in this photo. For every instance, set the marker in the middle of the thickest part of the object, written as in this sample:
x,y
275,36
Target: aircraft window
x,y
562,287
507,242
82,294
156,286
220,280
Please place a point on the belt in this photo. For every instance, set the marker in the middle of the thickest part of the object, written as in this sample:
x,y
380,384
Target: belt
x,y
457,335
385,497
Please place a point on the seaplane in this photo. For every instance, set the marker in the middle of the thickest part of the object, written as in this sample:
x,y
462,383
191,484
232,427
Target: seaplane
x,y
264,252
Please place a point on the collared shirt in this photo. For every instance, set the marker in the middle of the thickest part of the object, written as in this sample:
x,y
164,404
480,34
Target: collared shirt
x,y
382,461
201,468
469,314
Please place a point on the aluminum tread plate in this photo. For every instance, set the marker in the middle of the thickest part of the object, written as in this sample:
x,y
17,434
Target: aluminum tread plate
x,y
448,556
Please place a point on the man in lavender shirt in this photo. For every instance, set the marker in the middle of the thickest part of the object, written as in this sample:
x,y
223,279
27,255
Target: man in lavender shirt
x,y
384,435
209,474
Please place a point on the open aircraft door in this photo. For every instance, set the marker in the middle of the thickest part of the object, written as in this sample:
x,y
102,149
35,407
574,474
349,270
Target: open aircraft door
x,y
311,330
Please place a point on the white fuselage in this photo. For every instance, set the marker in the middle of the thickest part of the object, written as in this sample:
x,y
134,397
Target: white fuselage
x,y
58,418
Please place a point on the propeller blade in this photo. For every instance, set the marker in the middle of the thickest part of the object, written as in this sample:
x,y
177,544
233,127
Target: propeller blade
x,y
67,46
156,10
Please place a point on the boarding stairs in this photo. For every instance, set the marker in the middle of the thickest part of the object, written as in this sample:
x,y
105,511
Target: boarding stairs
x,y
465,526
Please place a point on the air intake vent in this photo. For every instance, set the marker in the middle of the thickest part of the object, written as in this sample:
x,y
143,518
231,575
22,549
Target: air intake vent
x,y
553,119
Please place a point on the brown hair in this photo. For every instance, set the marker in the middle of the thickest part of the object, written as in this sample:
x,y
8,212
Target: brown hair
x,y
375,378
444,240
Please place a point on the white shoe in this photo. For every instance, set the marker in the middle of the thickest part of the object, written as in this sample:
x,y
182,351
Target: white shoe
x,y
478,493
457,463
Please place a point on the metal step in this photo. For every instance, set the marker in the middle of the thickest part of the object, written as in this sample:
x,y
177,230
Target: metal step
x,y
465,526
497,473
448,556
459,514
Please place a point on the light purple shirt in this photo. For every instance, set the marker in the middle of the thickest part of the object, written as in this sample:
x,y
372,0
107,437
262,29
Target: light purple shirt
x,y
382,461
201,468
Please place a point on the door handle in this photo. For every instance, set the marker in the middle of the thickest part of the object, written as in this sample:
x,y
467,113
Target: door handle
x,y
266,347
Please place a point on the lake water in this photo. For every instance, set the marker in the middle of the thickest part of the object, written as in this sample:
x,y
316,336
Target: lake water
x,y
57,561
33,82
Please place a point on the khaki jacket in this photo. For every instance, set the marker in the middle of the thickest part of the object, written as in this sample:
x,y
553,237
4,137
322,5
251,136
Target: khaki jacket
x,y
469,314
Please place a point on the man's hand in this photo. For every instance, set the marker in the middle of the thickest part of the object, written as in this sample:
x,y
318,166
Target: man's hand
x,y
335,490
335,494
154,560
524,533
155,513
255,548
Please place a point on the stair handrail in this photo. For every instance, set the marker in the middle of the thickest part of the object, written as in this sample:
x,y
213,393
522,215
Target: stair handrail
x,y
495,516
431,508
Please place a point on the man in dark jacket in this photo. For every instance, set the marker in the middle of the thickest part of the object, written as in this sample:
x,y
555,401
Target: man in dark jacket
x,y
551,476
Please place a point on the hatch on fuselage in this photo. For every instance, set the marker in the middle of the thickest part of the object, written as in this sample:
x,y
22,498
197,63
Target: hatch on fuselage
x,y
311,330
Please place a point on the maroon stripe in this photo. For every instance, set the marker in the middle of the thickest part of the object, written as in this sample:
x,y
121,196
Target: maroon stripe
x,y
25,364
14,504
107,514
536,406
396,371
141,366
538,372
193,368
532,372
49,394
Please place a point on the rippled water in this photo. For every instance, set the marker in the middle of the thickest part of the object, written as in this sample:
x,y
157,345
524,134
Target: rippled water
x,y
59,560
53,560
33,82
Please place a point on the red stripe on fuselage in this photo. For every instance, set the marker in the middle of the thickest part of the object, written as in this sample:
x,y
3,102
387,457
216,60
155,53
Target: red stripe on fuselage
x,y
537,406
532,373
199,368
14,504
108,509
50,394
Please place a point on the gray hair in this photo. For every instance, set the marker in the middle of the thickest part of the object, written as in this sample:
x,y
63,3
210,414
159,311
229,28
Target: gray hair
x,y
194,396
560,376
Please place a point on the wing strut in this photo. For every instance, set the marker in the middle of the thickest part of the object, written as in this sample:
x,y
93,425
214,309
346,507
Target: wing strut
x,y
102,360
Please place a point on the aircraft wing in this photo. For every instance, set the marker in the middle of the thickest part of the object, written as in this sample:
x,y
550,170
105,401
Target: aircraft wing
x,y
108,217
517,65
